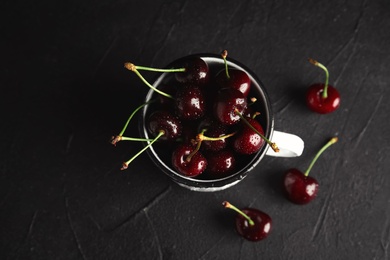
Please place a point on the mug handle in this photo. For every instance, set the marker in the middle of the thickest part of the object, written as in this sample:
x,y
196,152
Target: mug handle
x,y
290,145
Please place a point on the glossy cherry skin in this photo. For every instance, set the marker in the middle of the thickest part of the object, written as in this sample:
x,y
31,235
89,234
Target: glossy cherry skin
x,y
164,121
247,141
299,189
220,163
192,168
227,102
215,130
260,229
238,79
196,71
317,103
190,102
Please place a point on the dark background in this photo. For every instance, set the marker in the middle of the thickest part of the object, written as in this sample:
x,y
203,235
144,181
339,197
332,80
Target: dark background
x,y
64,92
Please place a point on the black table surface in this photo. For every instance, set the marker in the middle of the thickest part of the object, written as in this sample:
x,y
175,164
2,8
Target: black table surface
x,y
65,92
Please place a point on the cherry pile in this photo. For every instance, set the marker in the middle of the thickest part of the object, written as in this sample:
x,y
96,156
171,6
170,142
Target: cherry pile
x,y
206,118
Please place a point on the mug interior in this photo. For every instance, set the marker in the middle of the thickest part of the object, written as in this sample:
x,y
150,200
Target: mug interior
x,y
160,154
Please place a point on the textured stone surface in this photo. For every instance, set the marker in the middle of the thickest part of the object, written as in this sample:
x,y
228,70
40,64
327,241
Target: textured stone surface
x,y
65,92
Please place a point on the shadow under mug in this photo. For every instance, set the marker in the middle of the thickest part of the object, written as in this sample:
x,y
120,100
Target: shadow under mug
x,y
290,145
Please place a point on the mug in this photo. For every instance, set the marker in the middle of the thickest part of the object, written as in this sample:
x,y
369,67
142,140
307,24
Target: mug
x,y
290,145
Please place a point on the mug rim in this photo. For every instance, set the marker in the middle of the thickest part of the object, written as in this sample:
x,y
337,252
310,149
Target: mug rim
x,y
232,179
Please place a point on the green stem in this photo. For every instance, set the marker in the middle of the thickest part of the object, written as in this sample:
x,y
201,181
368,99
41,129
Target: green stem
x,y
125,138
160,70
316,63
133,68
230,206
207,138
224,55
132,115
126,164
329,143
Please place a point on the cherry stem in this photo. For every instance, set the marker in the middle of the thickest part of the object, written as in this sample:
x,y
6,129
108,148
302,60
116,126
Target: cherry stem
x,y
316,63
224,55
159,70
118,138
132,115
201,137
273,145
230,206
132,67
126,164
189,157
329,143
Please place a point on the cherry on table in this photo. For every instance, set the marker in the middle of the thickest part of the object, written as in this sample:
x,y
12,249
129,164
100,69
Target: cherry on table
x,y
322,97
299,187
251,223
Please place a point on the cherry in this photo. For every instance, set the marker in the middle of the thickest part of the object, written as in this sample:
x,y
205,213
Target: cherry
x,y
322,98
228,101
251,137
233,78
162,125
220,163
196,71
190,102
247,141
299,187
211,136
252,224
164,121
188,161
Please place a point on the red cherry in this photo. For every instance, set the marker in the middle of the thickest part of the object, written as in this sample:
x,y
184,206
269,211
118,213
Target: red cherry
x,y
237,79
196,71
228,102
252,224
247,141
164,121
233,78
187,161
322,98
316,102
220,163
190,102
299,187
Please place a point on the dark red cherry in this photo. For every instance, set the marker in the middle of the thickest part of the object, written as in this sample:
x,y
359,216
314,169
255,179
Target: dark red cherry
x,y
164,121
188,163
322,98
237,79
228,102
252,224
247,141
190,102
215,130
221,163
196,71
299,188
317,103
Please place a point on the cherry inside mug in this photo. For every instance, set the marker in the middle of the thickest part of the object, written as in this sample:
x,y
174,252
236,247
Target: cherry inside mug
x,y
290,145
